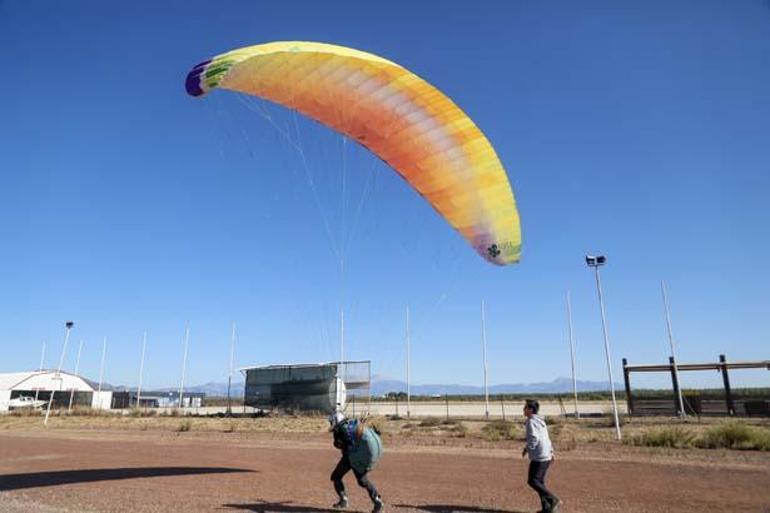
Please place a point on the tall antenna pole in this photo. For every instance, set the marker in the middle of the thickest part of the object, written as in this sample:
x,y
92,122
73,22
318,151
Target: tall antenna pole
x,y
77,369
408,374
230,376
572,353
67,327
184,363
40,370
101,367
484,353
141,371
342,335
682,413
342,344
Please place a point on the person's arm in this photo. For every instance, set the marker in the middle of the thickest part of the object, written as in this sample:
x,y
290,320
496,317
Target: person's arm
x,y
533,437
528,427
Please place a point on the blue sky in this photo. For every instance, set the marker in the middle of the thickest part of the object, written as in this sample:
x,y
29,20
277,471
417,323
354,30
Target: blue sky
x,y
639,130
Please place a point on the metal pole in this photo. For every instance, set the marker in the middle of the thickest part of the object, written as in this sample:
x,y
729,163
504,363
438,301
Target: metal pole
x,y
728,391
675,383
67,327
184,363
77,368
607,352
342,347
342,335
572,353
627,381
484,353
40,371
141,371
230,376
101,367
408,383
682,412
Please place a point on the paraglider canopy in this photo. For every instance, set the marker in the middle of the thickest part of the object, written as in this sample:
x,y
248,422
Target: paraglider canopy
x,y
408,123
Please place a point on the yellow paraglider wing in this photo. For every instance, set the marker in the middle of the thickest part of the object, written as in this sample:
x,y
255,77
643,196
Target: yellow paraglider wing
x,y
421,133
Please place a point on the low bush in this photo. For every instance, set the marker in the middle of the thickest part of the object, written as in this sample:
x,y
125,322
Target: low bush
x,y
430,422
459,429
499,430
677,437
736,435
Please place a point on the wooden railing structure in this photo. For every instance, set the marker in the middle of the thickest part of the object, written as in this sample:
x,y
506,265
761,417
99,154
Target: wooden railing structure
x,y
729,405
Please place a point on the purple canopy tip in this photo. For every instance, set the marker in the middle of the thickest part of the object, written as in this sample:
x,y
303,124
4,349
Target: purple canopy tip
x,y
193,82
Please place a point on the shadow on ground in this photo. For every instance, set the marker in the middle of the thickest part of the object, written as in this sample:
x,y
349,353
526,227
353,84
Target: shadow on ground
x,y
64,477
276,507
446,508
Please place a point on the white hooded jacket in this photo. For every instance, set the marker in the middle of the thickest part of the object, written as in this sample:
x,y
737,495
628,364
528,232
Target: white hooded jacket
x,y
539,446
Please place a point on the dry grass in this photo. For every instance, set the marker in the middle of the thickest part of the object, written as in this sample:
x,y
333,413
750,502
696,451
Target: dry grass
x,y
567,434
734,434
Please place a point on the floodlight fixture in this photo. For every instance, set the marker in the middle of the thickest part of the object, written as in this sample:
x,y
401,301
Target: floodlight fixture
x,y
595,261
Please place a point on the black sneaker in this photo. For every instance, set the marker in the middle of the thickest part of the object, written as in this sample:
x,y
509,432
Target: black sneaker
x,y
379,506
341,504
555,503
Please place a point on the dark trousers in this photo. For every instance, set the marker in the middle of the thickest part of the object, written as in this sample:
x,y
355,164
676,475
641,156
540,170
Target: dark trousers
x,y
536,480
342,468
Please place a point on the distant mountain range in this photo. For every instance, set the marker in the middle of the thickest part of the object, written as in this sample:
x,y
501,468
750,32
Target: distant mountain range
x,y
382,385
557,386
210,389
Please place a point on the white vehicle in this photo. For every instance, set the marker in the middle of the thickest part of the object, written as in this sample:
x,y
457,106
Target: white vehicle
x,y
25,402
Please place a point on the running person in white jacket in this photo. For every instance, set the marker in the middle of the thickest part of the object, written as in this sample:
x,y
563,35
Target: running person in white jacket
x,y
540,453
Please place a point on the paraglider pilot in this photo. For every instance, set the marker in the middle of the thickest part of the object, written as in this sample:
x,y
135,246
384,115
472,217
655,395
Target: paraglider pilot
x,y
361,447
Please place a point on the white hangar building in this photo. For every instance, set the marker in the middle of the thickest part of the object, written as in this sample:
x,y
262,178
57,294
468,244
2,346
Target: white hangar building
x,y
26,389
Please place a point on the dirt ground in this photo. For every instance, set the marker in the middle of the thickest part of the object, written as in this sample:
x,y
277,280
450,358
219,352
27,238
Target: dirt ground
x,y
108,469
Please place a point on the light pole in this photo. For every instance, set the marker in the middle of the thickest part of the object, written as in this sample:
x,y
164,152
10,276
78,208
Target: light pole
x,y
67,328
596,262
